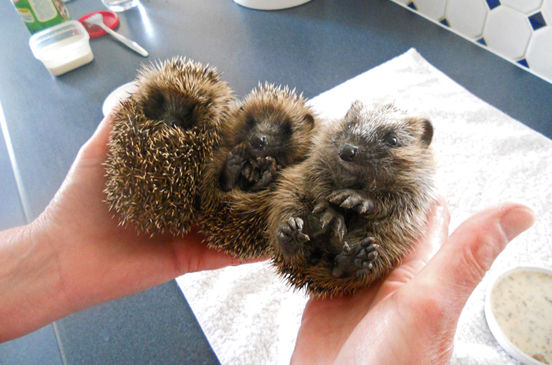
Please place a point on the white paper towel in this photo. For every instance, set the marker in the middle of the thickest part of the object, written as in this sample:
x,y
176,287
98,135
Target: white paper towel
x,y
250,316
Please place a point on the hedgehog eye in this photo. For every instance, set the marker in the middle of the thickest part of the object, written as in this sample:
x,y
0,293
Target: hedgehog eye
x,y
251,122
391,140
286,129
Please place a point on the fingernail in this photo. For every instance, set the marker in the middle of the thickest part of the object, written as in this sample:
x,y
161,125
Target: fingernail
x,y
516,221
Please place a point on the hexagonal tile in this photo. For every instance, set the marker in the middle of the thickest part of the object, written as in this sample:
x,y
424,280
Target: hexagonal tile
x,y
524,6
434,9
507,32
547,10
467,17
539,53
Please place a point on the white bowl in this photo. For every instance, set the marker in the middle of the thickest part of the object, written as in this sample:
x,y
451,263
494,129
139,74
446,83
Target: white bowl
x,y
495,328
117,96
270,4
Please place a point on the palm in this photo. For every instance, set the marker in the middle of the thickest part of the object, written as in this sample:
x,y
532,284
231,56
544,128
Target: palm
x,y
328,323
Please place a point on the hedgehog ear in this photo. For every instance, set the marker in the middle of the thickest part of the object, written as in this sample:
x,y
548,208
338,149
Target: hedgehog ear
x,y
309,119
354,110
427,134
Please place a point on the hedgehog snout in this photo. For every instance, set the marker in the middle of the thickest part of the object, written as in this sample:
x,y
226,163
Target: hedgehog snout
x,y
259,142
348,152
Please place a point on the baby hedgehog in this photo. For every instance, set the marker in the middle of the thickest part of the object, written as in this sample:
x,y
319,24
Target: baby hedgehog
x,y
349,213
160,139
265,133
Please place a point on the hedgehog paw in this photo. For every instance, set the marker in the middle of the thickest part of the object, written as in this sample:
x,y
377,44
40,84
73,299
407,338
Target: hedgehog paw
x,y
352,199
268,170
329,215
233,167
290,236
251,172
356,260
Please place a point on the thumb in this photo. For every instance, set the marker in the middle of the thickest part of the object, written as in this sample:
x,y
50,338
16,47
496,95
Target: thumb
x,y
460,265
97,146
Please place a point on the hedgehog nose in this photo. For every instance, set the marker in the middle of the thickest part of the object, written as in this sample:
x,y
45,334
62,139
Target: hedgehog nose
x,y
348,152
258,142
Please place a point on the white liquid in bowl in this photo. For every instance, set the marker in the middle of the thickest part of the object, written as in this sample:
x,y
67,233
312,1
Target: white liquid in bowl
x,y
521,302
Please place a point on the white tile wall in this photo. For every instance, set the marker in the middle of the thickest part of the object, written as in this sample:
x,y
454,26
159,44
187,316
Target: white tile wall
x,y
523,6
517,30
507,32
467,17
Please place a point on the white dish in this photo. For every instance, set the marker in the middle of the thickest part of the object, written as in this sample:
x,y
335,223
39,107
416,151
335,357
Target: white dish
x,y
116,96
270,4
491,316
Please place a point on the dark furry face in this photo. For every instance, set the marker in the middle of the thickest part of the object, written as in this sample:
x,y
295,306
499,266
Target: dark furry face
x,y
171,107
271,133
371,145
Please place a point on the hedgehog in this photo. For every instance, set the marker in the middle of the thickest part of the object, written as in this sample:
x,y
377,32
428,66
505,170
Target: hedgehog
x,y
265,133
348,214
161,137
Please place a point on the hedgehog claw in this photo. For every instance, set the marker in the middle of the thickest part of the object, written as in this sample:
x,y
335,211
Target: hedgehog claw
x,y
352,200
267,173
290,236
356,260
329,216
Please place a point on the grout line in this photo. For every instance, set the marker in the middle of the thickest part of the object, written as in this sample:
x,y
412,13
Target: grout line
x,y
450,29
15,169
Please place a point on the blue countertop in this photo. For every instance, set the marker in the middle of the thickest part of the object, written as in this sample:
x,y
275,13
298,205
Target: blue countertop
x,y
313,48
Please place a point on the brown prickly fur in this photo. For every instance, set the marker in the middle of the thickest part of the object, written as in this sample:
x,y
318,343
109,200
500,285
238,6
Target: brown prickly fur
x,y
235,220
154,164
398,180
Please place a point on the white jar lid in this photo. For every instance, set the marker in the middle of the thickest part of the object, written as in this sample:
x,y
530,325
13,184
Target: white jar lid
x,y
494,326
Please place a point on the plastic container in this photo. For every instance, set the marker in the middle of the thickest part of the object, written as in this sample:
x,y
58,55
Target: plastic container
x,y
63,47
518,309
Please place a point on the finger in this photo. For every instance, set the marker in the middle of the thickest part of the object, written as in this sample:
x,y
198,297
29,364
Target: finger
x,y
435,233
453,273
192,254
96,147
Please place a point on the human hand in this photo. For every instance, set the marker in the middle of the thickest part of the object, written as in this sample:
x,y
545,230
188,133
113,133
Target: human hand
x,y
75,255
410,317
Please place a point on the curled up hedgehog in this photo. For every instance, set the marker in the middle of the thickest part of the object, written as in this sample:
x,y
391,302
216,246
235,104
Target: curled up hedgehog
x,y
160,139
353,209
265,133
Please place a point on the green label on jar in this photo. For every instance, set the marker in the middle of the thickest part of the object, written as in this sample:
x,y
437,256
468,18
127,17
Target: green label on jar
x,y
41,14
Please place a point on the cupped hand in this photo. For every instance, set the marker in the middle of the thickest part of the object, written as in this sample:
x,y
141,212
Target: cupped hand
x,y
97,259
410,317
